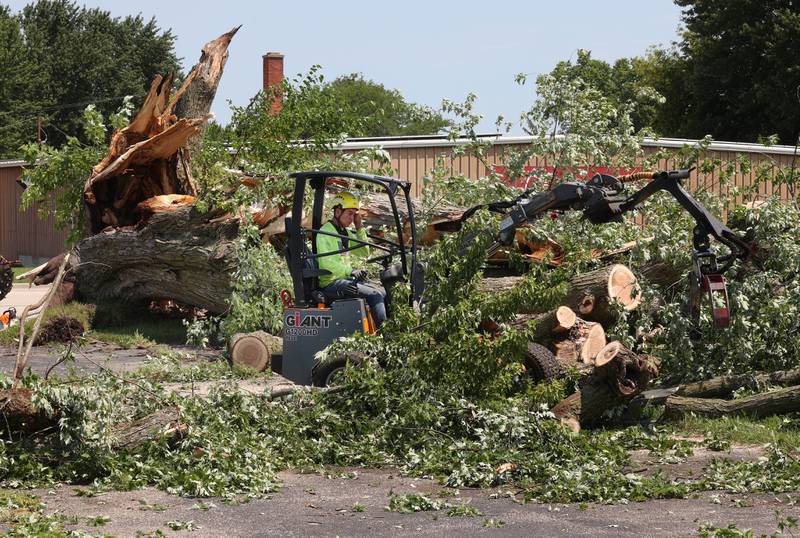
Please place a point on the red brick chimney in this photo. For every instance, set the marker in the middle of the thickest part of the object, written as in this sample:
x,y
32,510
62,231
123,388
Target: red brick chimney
x,y
273,74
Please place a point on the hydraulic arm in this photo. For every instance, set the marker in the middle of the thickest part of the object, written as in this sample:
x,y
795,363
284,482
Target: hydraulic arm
x,y
602,199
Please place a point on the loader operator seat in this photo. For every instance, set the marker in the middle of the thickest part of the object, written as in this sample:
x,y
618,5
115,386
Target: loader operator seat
x,y
311,274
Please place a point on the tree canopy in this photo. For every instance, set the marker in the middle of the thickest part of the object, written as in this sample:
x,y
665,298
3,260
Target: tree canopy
x,y
733,75
741,68
383,111
57,57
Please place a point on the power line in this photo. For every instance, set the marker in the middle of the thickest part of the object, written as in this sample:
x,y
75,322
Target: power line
x,y
72,105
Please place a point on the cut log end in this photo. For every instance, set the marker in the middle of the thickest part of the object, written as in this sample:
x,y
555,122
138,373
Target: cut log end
x,y
565,319
253,351
623,287
595,342
607,353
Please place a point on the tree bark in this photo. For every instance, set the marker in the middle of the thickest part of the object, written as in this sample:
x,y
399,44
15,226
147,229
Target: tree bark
x,y
495,285
665,275
618,376
594,295
780,401
180,255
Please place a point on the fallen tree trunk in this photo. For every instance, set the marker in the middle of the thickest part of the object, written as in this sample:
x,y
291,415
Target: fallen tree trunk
x,y
780,401
595,295
495,285
718,387
180,255
618,376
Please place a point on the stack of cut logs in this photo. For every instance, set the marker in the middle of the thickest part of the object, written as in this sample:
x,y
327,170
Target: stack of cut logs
x,y
575,332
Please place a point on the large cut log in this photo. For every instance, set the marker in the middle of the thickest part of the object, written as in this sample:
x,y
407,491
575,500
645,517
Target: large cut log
x,y
595,295
557,322
719,387
581,344
780,401
254,350
618,376
180,255
666,275
499,284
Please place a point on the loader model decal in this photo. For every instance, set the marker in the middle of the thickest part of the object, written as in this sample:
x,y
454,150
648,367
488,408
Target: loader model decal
x,y
306,325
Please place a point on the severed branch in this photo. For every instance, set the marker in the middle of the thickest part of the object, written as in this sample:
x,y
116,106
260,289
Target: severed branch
x,y
785,400
22,358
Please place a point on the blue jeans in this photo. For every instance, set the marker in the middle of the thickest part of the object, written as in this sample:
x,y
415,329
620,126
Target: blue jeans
x,y
374,294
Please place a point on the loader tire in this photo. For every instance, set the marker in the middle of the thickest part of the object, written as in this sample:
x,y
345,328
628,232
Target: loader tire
x,y
324,374
542,364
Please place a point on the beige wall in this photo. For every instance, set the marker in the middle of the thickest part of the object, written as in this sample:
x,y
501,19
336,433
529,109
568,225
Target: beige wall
x,y
412,163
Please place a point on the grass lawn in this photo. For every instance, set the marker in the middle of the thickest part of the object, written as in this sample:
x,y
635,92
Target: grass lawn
x,y
139,332
20,270
783,430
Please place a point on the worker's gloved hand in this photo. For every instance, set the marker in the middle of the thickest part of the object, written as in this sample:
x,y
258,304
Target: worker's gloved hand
x,y
359,274
351,290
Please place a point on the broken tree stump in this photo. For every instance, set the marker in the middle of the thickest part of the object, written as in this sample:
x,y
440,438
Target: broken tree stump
x,y
595,295
777,402
19,415
618,376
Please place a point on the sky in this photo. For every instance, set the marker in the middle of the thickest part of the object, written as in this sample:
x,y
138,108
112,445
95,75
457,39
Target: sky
x,y
428,50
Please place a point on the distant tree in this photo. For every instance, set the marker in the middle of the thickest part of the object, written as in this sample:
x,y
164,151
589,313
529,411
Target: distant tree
x,y
743,69
56,57
383,111
625,84
19,75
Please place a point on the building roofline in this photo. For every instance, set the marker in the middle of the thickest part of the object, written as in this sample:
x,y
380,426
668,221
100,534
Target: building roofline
x,y
443,141
433,141
13,163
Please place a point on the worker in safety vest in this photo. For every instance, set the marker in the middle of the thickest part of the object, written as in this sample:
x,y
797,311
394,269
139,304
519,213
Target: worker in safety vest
x,y
343,280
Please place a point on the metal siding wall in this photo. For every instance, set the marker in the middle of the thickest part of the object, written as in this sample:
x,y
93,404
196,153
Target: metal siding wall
x,y
8,210
24,233
413,164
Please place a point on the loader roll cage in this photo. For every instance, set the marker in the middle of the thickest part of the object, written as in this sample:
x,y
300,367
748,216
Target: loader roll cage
x,y
303,268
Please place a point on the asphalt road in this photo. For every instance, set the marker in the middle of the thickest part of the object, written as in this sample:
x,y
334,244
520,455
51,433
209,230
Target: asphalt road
x,y
22,295
316,505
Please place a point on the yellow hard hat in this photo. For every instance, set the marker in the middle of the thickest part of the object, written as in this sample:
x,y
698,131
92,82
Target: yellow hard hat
x,y
345,200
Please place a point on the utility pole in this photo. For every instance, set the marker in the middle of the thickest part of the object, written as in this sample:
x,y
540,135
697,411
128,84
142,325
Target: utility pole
x,y
39,130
